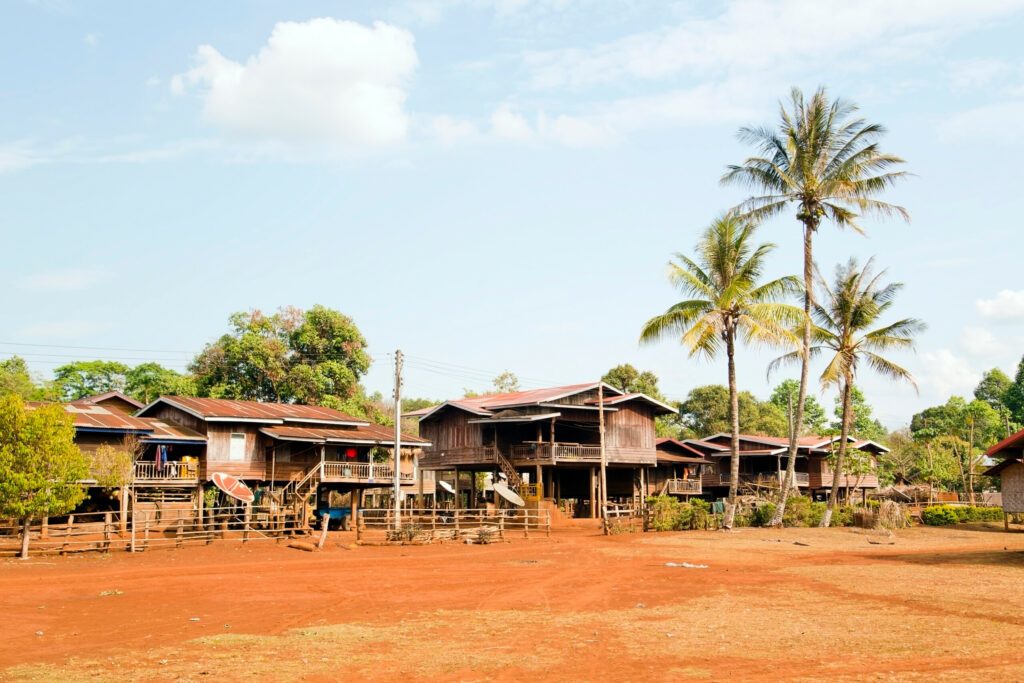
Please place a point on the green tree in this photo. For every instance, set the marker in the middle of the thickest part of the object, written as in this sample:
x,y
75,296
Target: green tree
x,y
726,300
40,465
862,424
964,429
825,162
148,381
89,377
785,397
16,379
506,383
993,387
312,357
706,411
1014,397
854,303
628,379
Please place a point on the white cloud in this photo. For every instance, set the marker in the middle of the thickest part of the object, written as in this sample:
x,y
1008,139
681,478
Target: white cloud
x,y
998,122
153,81
561,129
1006,305
947,374
91,39
18,155
761,35
977,73
67,280
66,329
315,82
449,130
511,125
980,342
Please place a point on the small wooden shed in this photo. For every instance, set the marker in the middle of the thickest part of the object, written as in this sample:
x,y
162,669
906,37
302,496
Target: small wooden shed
x,y
1010,471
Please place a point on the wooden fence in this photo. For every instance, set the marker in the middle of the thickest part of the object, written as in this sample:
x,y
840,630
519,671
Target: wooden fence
x,y
427,525
151,528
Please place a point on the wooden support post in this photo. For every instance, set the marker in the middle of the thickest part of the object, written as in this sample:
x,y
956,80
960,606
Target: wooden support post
x,y
179,534
67,533
124,510
132,512
593,493
547,524
1006,520
457,512
501,525
326,521
44,528
458,501
145,532
200,502
245,523
108,529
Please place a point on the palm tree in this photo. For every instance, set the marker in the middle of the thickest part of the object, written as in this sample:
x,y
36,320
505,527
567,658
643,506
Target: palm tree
x,y
726,299
853,303
827,163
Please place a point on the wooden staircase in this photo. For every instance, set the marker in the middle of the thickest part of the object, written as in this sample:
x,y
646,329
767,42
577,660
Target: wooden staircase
x,y
514,480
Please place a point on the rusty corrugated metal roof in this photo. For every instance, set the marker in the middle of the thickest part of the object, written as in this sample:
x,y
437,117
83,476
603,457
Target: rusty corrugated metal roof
x,y
171,431
87,416
364,434
222,408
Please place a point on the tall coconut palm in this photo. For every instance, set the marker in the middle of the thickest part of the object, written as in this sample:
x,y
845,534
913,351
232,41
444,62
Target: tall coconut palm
x,y
825,162
851,306
726,300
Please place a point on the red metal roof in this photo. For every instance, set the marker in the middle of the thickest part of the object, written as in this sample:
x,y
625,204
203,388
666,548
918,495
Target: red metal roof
x,y
221,408
364,434
666,444
484,405
88,416
1012,441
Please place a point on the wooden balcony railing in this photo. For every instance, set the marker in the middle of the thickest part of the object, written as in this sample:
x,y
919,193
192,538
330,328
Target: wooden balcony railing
x,y
170,471
717,479
565,452
441,458
685,486
362,472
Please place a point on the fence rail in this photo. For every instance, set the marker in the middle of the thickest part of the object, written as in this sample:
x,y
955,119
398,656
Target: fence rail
x,y
147,528
427,524
685,486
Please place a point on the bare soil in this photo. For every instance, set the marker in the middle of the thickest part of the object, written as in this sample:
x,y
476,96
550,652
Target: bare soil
x,y
796,604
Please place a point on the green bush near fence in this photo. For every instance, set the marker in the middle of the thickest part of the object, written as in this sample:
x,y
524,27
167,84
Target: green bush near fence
x,y
942,515
668,513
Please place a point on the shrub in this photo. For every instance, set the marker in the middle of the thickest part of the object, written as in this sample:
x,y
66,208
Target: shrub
x,y
668,513
942,515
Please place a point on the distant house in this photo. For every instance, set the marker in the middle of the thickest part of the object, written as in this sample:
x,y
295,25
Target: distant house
x,y
1010,471
678,471
546,442
290,445
763,462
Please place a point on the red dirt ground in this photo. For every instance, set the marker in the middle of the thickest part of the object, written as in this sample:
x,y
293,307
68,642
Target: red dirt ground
x,y
939,604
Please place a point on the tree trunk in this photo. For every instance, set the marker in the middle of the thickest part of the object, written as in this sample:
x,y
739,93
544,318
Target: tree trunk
x,y
970,463
734,441
805,362
25,523
844,433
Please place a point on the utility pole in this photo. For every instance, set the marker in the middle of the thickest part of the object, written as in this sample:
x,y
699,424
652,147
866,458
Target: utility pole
x,y
398,439
604,457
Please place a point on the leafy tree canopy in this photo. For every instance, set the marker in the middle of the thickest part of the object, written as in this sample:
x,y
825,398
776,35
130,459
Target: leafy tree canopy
x,y
89,377
993,387
706,411
506,383
787,393
314,357
40,465
628,379
147,381
16,379
862,424
1014,396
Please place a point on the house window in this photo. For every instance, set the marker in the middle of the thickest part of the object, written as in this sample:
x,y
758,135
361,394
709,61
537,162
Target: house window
x,y
237,450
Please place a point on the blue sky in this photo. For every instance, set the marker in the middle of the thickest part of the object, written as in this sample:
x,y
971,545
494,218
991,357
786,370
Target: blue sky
x,y
484,184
